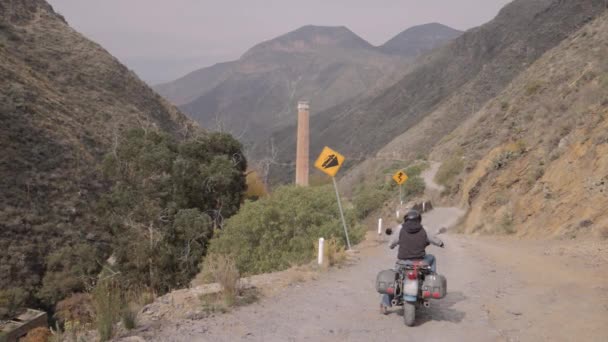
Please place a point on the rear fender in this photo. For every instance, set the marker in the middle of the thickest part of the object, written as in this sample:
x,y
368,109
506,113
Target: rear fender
x,y
410,299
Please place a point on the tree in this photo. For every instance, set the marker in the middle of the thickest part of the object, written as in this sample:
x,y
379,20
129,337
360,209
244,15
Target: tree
x,y
166,200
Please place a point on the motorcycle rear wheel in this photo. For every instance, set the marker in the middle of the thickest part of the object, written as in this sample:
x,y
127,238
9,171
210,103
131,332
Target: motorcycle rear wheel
x,y
409,313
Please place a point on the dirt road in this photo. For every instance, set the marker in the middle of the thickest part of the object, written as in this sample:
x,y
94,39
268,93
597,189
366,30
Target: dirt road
x,y
499,290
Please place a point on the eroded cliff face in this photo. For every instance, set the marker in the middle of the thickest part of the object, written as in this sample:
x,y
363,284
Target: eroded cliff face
x,y
536,156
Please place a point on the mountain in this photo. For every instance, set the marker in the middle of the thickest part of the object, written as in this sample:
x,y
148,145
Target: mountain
x,y
536,156
64,100
417,40
446,86
258,93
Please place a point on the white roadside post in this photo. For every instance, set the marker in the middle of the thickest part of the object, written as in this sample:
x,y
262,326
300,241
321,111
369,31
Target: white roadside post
x,y
379,226
321,249
397,214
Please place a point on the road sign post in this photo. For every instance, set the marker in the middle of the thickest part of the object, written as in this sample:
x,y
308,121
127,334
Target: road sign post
x,y
329,162
341,212
400,178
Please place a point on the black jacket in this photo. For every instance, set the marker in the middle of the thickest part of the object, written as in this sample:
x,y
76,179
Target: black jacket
x,y
412,241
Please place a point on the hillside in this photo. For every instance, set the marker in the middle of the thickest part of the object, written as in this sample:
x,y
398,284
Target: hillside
x,y
417,40
257,94
447,86
536,156
64,101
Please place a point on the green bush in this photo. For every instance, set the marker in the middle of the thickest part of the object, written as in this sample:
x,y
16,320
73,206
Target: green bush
x,y
11,301
369,198
70,269
413,187
280,231
166,200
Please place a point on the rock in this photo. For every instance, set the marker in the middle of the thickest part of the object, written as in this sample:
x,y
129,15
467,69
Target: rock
x,y
585,223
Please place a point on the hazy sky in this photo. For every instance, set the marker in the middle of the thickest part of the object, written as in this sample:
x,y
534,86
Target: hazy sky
x,y
164,39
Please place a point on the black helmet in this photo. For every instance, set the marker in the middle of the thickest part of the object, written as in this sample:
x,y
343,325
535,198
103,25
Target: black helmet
x,y
412,215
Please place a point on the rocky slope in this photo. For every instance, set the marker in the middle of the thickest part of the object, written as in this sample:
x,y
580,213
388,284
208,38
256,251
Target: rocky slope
x,y
447,86
257,94
536,155
63,102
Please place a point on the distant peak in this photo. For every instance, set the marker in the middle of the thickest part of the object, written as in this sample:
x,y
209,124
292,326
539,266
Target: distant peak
x,y
311,37
418,39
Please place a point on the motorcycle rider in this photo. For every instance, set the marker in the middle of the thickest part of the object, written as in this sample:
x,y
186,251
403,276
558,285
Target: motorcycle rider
x,y
412,240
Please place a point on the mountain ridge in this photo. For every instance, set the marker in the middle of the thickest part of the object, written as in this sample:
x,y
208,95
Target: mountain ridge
x,y
416,40
64,101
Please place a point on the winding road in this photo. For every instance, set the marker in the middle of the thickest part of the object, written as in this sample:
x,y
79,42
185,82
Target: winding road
x,y
499,289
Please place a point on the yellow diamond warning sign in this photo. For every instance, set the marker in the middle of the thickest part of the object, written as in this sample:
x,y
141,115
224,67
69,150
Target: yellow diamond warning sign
x,y
329,161
400,177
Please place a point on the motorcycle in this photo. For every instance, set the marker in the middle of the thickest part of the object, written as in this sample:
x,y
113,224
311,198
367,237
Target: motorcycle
x,y
411,284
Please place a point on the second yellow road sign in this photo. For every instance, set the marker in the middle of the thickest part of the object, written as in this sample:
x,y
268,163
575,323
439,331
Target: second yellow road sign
x,y
400,177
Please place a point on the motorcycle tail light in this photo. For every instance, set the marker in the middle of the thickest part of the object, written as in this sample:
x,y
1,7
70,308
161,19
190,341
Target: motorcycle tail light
x,y
436,295
412,275
390,291
426,294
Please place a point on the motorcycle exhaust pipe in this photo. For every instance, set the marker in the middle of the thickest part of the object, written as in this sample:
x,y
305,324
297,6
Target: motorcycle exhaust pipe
x,y
394,302
427,304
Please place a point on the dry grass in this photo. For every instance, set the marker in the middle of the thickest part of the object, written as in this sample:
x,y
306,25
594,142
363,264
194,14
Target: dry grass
x,y
215,303
223,270
76,308
37,335
334,253
449,170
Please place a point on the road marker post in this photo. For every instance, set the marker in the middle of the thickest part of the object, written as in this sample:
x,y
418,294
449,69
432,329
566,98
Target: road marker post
x,y
321,250
379,226
329,162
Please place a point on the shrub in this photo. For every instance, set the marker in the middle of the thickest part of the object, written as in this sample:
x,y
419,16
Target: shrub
x,y
335,252
416,169
39,334
166,200
277,232
413,187
507,223
223,270
255,187
368,198
502,160
11,301
449,169
70,269
128,315
533,88
77,308
107,300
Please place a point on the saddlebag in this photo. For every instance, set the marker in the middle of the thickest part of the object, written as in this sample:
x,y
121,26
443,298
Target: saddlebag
x,y
386,282
434,286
